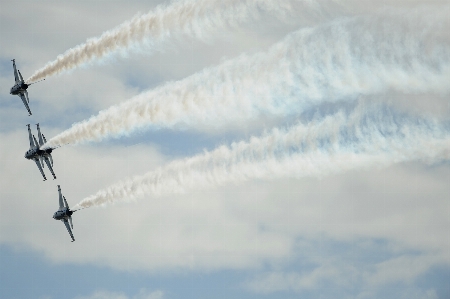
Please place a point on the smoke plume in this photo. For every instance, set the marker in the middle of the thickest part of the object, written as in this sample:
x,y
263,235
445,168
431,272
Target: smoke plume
x,y
366,137
197,19
337,61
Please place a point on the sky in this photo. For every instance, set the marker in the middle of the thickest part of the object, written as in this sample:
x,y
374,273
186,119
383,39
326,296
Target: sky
x,y
228,149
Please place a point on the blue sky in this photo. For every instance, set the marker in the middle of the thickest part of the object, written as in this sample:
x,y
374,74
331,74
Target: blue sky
x,y
260,149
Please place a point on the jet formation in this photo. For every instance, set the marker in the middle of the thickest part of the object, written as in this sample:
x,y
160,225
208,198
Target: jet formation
x,y
20,88
40,154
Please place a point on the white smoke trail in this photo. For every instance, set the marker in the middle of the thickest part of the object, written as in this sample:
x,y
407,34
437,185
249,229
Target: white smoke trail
x,y
193,18
337,61
337,143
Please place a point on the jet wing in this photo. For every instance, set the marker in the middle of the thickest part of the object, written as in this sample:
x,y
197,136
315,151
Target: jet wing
x,y
61,203
38,163
66,223
49,166
16,76
25,100
30,136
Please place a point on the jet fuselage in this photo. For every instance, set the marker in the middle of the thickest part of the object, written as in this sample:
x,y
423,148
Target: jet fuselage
x,y
62,214
36,152
18,88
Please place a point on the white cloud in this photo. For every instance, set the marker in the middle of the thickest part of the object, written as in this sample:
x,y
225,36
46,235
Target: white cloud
x,y
356,273
143,294
331,275
405,268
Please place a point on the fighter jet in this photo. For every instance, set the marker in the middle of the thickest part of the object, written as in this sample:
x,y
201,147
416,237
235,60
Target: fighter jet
x,y
64,213
20,88
39,155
